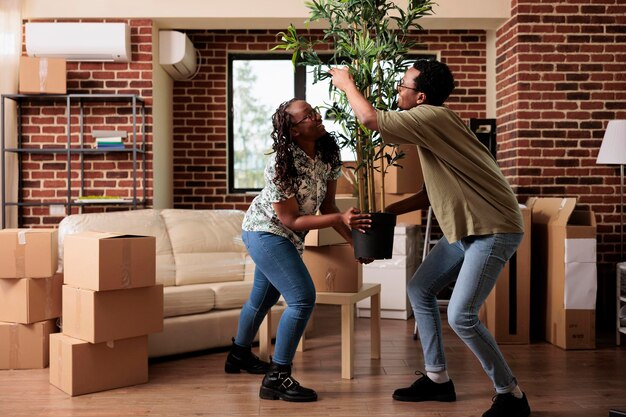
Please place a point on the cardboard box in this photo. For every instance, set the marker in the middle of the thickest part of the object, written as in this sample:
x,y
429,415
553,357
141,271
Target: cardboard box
x,y
28,253
564,276
506,313
102,316
29,300
405,178
42,76
412,217
334,268
25,346
328,236
78,367
102,261
346,183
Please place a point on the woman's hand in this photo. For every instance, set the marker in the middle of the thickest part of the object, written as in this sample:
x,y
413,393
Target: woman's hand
x,y
354,219
365,260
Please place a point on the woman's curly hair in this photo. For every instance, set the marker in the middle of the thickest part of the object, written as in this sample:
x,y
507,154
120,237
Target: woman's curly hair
x,y
286,177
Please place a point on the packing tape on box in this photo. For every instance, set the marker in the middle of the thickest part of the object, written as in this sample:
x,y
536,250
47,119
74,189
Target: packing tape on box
x,y
14,347
43,74
329,279
77,314
59,362
49,302
20,254
126,271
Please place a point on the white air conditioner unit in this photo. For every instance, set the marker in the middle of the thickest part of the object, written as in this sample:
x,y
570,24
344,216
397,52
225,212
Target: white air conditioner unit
x,y
79,41
177,55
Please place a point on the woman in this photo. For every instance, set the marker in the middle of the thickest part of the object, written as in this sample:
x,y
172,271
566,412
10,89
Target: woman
x,y
300,178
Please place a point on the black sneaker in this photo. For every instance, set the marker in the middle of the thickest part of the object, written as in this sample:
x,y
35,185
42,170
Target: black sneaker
x,y
424,389
507,405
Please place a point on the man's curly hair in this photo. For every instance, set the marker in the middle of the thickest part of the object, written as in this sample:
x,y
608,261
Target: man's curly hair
x,y
435,80
286,177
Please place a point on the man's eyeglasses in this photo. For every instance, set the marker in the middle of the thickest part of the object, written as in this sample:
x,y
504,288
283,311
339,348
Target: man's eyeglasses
x,y
312,115
401,85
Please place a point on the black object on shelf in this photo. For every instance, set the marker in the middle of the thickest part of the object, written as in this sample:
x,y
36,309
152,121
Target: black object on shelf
x,y
136,148
485,131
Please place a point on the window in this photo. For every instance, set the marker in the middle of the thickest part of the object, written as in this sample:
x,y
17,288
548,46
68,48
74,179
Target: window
x,y
257,85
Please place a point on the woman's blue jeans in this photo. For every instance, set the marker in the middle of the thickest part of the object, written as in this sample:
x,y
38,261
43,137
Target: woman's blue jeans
x,y
475,263
279,270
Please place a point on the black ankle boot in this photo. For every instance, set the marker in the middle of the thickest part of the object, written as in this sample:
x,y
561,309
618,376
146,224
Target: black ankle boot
x,y
279,385
242,359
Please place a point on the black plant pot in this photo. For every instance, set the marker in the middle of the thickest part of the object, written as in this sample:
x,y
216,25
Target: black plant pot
x,y
377,241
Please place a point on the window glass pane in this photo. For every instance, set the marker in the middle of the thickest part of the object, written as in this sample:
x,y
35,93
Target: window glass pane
x,y
317,96
259,86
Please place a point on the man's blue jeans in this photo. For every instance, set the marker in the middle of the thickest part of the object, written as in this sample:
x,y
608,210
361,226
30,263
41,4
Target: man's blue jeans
x,y
475,263
279,270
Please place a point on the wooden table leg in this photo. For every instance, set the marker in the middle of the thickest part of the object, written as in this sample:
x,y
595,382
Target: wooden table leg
x,y
347,341
375,326
265,337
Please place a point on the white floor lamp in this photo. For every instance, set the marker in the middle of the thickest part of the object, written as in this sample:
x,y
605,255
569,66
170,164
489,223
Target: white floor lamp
x,y
613,152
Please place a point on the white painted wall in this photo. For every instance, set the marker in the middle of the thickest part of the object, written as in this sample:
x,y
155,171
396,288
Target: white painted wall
x,y
162,133
251,14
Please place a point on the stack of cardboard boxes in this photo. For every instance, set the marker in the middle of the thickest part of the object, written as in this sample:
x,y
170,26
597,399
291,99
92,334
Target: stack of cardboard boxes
x,y
110,304
30,296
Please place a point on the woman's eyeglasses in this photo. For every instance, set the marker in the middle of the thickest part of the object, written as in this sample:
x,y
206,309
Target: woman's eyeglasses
x,y
312,115
401,85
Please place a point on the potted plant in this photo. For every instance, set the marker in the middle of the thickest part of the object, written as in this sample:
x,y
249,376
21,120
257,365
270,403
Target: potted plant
x,y
370,37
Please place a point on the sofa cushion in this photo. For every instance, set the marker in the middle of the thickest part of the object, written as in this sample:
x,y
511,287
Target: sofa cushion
x,y
231,294
188,299
138,222
206,244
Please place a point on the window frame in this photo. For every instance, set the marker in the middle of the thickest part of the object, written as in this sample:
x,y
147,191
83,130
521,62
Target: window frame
x,y
299,93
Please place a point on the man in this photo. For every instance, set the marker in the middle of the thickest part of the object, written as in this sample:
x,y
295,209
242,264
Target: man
x,y
479,217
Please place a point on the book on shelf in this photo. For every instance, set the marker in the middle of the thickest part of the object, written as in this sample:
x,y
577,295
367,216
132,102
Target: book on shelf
x,y
109,140
109,133
109,143
109,146
100,199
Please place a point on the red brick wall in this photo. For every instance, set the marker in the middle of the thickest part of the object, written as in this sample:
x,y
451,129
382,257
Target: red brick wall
x,y
200,106
44,176
561,76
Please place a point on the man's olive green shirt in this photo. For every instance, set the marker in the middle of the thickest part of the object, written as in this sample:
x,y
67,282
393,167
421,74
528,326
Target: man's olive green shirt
x,y
467,191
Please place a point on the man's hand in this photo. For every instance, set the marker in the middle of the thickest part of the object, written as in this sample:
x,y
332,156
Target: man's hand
x,y
342,79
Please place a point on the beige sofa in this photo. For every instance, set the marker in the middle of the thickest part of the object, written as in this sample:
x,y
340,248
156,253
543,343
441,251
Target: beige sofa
x,y
202,263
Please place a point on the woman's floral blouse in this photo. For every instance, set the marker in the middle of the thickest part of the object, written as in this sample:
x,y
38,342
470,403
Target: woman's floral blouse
x,y
314,175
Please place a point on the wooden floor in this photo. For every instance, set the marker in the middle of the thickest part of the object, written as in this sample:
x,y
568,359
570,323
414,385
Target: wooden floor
x,y
557,382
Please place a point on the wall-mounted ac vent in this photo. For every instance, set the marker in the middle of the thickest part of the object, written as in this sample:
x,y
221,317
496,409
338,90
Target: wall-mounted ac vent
x,y
177,55
79,41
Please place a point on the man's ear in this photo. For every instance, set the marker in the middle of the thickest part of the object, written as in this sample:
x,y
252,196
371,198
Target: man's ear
x,y
421,98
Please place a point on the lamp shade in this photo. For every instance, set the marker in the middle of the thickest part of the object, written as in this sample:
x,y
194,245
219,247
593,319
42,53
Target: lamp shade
x,y
613,148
